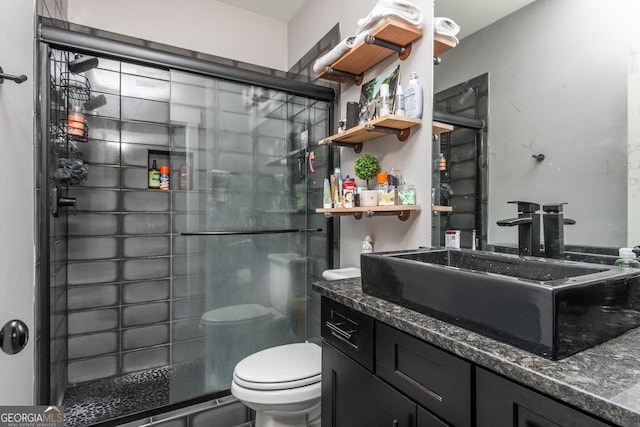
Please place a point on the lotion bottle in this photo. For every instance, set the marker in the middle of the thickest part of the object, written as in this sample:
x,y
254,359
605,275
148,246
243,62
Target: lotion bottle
x,y
627,259
413,98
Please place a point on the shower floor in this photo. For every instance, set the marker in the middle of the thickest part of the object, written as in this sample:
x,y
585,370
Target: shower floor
x,y
98,401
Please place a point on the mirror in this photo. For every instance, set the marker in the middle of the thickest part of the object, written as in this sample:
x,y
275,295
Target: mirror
x,y
564,81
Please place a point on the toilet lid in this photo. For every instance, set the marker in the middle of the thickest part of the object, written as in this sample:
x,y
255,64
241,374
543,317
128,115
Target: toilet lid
x,y
236,314
282,367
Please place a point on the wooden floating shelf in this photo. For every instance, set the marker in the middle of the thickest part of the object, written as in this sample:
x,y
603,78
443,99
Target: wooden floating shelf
x,y
439,128
441,45
399,125
402,211
437,208
364,55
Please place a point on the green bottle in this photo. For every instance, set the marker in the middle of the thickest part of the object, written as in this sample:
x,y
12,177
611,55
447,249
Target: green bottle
x,y
154,176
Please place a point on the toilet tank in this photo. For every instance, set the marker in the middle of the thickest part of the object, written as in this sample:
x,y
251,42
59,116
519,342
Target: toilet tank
x,y
287,274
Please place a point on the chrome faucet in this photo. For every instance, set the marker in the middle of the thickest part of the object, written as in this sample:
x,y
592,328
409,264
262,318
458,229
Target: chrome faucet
x,y
553,222
528,222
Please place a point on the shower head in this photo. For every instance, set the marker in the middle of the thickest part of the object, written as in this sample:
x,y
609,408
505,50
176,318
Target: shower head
x,y
80,64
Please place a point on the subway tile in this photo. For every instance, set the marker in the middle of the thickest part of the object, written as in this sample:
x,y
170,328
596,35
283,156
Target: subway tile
x,y
236,122
188,245
194,264
188,201
103,176
97,151
86,273
92,369
145,291
92,321
103,128
93,345
110,108
144,110
137,178
150,223
87,248
144,314
183,330
102,80
187,308
193,93
138,155
142,70
145,336
146,201
188,286
94,200
187,351
141,269
81,297
145,246
186,115
93,224
145,359
189,222
145,133
231,414
145,87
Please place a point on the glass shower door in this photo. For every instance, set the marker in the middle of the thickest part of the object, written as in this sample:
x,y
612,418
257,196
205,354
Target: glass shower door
x,y
239,179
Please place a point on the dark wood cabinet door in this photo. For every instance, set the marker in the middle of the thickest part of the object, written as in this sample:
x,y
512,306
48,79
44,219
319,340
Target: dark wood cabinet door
x,y
427,419
354,397
503,403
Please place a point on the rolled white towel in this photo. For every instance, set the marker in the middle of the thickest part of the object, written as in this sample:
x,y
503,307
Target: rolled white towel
x,y
402,9
334,54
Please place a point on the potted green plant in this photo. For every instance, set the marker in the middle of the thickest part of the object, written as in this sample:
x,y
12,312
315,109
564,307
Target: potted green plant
x,y
367,167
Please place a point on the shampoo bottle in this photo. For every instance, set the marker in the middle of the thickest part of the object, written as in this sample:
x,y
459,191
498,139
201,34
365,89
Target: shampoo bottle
x,y
413,98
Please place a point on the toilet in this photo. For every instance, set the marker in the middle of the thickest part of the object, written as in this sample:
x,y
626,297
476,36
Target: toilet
x,y
282,384
234,332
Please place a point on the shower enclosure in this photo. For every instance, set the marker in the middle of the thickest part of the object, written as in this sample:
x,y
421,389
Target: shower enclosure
x,y
155,294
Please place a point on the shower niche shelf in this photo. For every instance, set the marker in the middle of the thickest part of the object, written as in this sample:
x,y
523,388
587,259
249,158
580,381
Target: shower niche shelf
x,y
439,127
389,124
393,35
403,212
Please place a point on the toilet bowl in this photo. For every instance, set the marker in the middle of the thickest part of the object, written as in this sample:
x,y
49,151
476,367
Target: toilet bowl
x,y
236,331
282,384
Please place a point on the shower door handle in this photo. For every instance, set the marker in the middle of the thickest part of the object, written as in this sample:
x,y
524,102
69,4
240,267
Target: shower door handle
x,y
249,232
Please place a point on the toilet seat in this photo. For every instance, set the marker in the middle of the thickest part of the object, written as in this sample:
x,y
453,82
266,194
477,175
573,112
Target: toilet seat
x,y
236,314
280,368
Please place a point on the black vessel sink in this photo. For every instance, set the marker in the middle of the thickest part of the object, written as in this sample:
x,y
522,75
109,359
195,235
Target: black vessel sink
x,y
589,254
552,308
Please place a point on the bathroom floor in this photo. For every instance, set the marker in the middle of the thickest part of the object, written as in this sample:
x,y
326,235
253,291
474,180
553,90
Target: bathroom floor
x,y
102,400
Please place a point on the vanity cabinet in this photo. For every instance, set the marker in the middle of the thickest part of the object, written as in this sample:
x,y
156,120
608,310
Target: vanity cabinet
x,y
503,403
375,375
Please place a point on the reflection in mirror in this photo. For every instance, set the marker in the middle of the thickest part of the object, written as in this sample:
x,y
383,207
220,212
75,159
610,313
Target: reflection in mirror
x,y
564,82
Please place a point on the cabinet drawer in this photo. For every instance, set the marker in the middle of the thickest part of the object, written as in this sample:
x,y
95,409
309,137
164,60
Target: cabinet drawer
x,y
503,403
348,330
435,379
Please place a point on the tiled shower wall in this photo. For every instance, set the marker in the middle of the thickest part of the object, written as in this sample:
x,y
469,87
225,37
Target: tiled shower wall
x,y
119,266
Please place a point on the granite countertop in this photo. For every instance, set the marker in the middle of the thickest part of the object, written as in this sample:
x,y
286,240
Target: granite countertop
x,y
603,380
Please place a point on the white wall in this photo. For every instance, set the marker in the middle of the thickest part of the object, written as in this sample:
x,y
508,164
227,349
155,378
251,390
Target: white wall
x,y
204,26
413,157
558,86
17,252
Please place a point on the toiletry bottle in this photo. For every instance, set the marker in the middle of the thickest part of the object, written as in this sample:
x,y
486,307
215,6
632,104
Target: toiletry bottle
x,y
184,177
442,163
413,98
154,176
326,195
338,173
385,101
627,259
367,244
398,103
75,123
164,177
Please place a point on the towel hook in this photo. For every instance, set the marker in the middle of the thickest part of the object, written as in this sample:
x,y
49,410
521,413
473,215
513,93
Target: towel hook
x,y
18,79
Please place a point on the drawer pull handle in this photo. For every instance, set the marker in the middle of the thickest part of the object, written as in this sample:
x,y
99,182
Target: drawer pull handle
x,y
395,423
336,327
